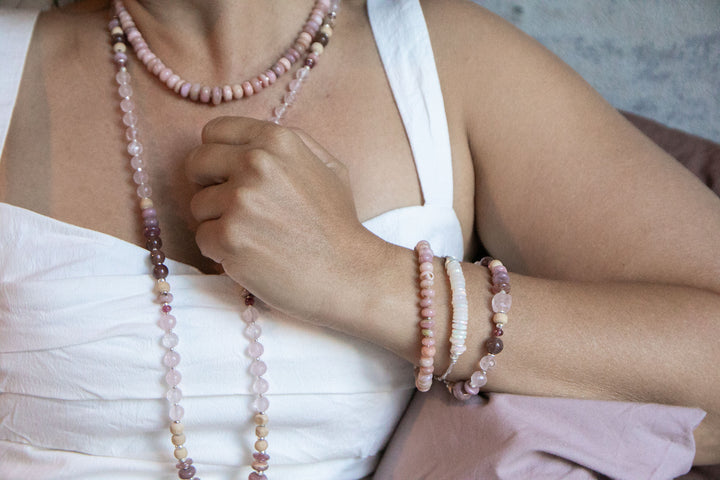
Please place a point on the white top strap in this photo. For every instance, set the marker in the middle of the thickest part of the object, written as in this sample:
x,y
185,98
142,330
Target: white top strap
x,y
403,41
16,27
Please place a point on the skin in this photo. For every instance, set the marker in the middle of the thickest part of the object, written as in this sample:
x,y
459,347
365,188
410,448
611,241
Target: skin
x,y
615,277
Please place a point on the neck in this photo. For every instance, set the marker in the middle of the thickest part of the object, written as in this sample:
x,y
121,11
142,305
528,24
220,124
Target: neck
x,y
219,40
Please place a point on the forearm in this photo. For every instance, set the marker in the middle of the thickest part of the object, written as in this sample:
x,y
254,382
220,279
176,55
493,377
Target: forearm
x,y
612,341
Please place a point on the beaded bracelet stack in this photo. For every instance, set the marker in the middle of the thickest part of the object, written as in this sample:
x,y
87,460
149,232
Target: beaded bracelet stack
x,y
501,302
426,277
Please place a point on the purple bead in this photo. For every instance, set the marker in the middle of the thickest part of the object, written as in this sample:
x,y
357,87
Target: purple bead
x,y
149,212
485,261
257,476
458,392
322,39
151,222
151,232
261,457
160,271
120,58
153,243
187,473
469,389
494,346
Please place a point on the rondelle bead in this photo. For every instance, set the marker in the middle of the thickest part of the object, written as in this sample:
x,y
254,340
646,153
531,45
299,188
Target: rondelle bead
x,y
187,473
470,389
259,466
500,318
498,332
257,476
459,393
494,346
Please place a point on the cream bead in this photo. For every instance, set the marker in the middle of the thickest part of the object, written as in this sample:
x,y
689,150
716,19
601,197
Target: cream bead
x,y
162,286
317,48
493,264
177,428
262,432
117,31
120,47
260,419
146,203
261,445
180,453
327,30
178,440
500,318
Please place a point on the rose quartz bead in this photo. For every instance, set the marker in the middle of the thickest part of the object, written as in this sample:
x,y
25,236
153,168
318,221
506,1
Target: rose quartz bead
x,y
131,133
143,191
255,349
258,368
176,413
261,404
253,331
130,119
173,378
295,85
167,321
171,359
501,302
122,77
290,97
174,395
487,362
260,385
249,315
227,93
170,340
478,379
125,90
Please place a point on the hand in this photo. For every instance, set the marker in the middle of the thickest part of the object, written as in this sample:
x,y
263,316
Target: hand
x,y
276,210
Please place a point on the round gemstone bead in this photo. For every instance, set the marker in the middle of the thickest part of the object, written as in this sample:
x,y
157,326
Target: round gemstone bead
x,y
176,413
258,368
174,395
160,271
478,379
261,404
136,162
170,340
171,359
260,385
501,302
144,190
249,315
255,349
260,419
487,362
494,346
253,331
157,257
153,243
167,322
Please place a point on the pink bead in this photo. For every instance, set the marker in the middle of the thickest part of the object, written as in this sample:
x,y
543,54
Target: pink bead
x,y
165,74
428,351
427,313
257,84
427,293
427,283
172,81
171,359
304,39
237,90
261,457
205,94
247,89
478,379
185,89
258,368
426,302
158,67
167,321
253,331
217,95
227,93
272,77
470,389
427,341
426,267
259,466
426,370
427,323
249,315
260,385
173,378
427,276
285,64
150,61
195,91
261,404
264,79
295,85
170,340
425,257
278,69
127,105
501,302
120,58
426,362
458,392
290,98
487,362
255,349
176,413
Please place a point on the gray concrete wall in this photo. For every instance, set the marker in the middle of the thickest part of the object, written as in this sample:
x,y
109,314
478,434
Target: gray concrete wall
x,y
658,58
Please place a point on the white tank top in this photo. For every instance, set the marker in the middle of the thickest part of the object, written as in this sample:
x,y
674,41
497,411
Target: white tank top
x,y
81,378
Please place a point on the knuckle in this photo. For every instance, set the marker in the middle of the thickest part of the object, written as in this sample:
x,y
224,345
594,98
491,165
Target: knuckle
x,y
259,160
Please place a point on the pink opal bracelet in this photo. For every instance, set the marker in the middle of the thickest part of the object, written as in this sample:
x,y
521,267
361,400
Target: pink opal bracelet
x,y
426,277
501,303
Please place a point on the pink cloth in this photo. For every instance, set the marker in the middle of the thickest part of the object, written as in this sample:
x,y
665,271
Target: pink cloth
x,y
521,437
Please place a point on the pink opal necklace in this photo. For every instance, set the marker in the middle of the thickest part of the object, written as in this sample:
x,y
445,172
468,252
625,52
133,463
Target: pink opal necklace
x,y
310,43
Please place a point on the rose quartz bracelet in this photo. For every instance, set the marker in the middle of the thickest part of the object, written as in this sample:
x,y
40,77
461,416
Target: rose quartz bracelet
x,y
426,277
501,302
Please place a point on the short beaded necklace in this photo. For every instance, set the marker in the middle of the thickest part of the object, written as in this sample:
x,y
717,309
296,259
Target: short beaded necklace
x,y
310,42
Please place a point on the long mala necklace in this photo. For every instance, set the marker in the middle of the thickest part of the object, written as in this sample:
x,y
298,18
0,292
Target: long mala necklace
x,y
309,45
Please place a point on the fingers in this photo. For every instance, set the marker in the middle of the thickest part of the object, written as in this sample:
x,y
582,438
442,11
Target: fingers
x,y
211,164
244,131
209,203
